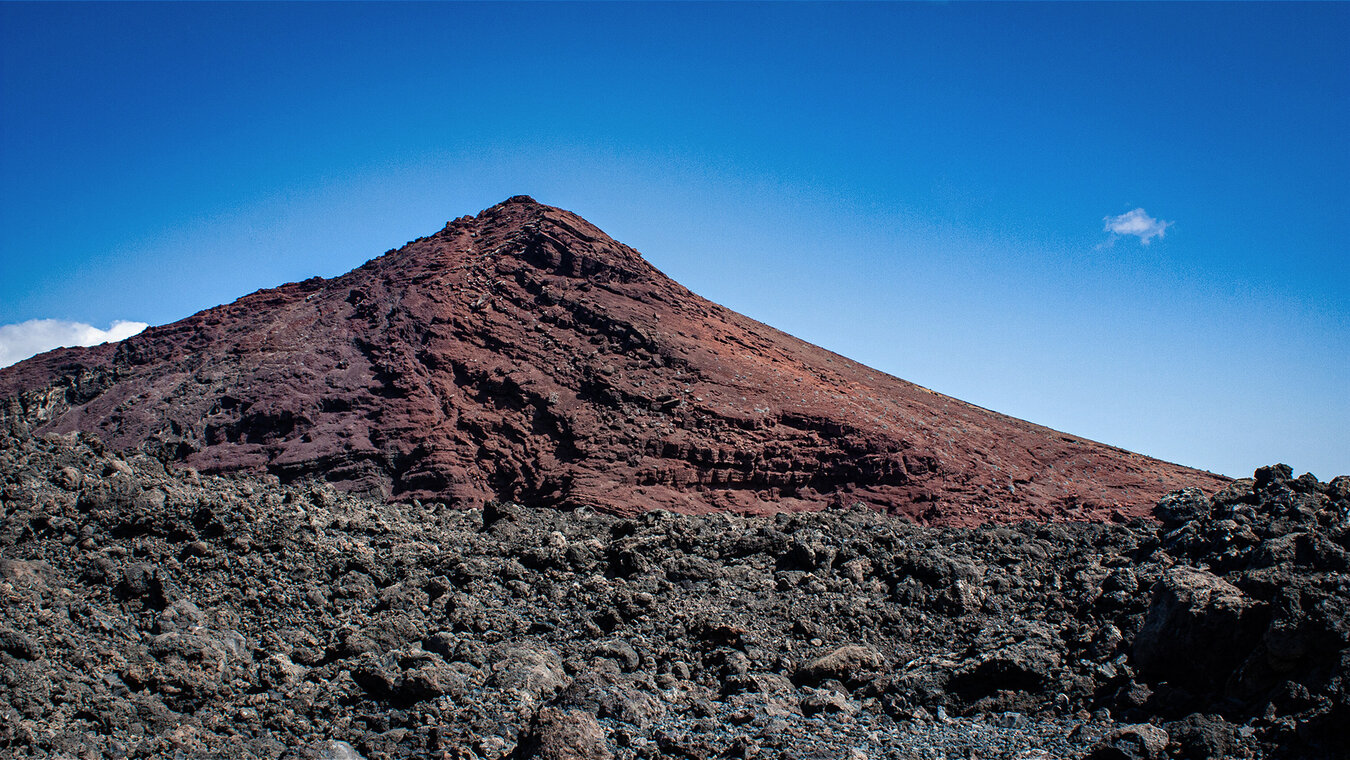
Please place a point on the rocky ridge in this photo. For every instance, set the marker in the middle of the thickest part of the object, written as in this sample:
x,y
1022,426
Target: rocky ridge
x,y
524,355
153,612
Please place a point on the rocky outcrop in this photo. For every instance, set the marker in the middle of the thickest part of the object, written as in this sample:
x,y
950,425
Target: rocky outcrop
x,y
1198,628
524,355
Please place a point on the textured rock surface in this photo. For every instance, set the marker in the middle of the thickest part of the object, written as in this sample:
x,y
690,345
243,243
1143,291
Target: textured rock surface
x,y
524,355
151,612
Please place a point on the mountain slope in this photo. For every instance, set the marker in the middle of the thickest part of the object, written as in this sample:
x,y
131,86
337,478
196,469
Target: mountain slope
x,y
523,354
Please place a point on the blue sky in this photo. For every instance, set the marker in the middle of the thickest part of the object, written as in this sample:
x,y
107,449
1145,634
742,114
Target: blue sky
x,y
922,187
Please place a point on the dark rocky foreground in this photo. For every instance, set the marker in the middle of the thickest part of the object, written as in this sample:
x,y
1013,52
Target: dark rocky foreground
x,y
155,613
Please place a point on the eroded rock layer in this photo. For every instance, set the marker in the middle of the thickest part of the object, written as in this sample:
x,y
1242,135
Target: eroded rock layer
x,y
523,354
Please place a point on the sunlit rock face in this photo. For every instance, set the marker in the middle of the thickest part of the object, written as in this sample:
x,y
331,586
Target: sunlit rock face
x,y
524,355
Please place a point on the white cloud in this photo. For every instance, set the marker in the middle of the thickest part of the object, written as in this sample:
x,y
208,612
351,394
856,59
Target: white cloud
x,y
1137,223
18,342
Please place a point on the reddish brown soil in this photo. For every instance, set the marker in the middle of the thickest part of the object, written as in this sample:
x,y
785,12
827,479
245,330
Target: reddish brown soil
x,y
523,354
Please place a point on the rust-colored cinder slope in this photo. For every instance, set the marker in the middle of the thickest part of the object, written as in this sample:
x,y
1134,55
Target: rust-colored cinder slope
x,y
523,354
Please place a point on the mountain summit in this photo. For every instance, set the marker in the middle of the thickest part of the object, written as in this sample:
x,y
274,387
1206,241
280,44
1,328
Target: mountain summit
x,y
523,354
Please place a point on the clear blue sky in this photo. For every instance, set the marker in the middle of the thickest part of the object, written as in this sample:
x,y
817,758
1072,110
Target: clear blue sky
x,y
923,188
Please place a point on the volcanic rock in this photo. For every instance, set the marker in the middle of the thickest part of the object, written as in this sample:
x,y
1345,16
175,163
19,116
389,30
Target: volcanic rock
x,y
1197,629
846,663
523,355
324,624
564,735
1143,742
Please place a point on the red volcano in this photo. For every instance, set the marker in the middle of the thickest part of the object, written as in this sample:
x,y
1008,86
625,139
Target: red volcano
x,y
523,354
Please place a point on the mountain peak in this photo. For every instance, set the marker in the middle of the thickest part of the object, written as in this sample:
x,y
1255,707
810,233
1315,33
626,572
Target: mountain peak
x,y
523,354
555,240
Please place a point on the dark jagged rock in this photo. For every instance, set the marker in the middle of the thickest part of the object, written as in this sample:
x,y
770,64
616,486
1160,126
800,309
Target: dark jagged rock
x,y
1198,628
524,355
322,624
564,735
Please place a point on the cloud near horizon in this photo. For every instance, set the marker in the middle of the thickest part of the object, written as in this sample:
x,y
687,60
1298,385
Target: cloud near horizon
x,y
26,339
1137,223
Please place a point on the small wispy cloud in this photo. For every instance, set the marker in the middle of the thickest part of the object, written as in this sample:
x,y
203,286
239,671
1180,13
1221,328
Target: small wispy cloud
x,y
25,339
1137,223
